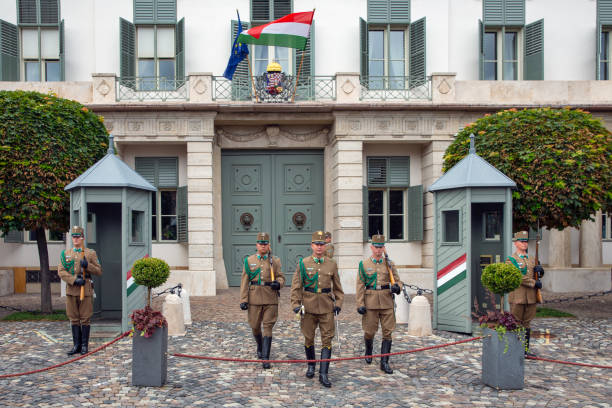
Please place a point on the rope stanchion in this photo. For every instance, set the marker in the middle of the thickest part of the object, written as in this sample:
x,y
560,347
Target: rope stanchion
x,y
567,362
397,353
127,333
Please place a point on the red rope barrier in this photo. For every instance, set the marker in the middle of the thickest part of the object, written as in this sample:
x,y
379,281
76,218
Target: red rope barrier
x,y
240,360
567,362
69,361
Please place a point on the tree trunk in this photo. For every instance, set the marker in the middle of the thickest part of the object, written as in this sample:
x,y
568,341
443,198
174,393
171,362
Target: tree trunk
x,y
149,297
46,305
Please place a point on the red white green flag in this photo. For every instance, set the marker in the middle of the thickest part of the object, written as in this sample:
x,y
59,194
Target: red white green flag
x,y
290,31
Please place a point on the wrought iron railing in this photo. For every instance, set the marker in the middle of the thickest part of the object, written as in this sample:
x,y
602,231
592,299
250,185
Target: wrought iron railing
x,y
261,89
152,89
382,88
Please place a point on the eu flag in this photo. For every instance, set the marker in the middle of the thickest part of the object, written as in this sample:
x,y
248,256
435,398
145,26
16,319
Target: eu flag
x,y
239,52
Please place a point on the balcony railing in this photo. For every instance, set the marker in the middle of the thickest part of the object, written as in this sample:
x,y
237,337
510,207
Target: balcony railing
x,y
383,88
152,89
261,89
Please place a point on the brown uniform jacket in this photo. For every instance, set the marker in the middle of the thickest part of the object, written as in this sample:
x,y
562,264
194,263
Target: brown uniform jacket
x,y
93,268
317,303
329,252
376,299
256,294
526,293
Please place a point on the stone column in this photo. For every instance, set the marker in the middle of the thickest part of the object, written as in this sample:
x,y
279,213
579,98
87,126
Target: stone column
x,y
590,243
559,252
200,211
347,170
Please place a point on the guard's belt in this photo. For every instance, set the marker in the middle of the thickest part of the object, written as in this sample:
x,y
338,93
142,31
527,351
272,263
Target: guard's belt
x,y
255,283
371,287
324,290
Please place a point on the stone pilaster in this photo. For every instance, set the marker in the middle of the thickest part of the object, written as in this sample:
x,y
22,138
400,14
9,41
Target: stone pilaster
x,y
590,243
559,252
347,171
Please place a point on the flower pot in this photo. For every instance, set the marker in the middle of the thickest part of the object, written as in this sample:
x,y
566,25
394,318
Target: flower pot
x,y
150,358
503,370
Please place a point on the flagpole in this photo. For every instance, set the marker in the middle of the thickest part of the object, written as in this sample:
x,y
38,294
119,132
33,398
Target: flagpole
x,y
301,62
252,82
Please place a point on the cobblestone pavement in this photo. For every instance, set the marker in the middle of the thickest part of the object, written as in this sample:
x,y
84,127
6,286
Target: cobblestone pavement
x,y
442,377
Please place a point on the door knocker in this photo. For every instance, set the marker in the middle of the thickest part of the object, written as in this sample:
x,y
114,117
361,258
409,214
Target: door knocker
x,y
246,219
299,219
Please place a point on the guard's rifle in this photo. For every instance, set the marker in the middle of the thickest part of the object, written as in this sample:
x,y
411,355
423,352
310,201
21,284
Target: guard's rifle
x,y
337,326
272,269
536,275
82,294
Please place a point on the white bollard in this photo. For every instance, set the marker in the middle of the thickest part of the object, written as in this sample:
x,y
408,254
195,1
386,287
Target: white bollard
x,y
402,309
172,310
186,306
419,322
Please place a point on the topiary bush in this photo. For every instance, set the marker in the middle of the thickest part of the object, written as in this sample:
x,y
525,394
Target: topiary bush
x,y
150,272
501,278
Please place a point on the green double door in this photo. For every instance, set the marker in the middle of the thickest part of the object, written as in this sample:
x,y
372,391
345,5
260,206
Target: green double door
x,y
280,193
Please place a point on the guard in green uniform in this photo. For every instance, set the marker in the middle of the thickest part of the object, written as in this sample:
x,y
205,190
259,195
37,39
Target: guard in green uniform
x,y
523,299
259,294
75,268
375,299
329,251
316,286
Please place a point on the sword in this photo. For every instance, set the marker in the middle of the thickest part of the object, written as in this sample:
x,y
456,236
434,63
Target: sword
x,y
337,328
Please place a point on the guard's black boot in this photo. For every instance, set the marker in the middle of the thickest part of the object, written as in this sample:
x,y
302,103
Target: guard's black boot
x,y
265,351
324,367
76,340
310,355
384,361
369,344
528,352
85,342
258,340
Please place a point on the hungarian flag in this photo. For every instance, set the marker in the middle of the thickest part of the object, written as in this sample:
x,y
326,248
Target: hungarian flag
x,y
289,31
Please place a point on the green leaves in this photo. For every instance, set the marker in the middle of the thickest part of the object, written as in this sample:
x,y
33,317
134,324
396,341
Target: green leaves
x,y
150,272
501,278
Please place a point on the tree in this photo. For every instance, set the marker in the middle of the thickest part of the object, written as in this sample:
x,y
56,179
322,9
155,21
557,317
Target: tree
x,y
45,143
560,159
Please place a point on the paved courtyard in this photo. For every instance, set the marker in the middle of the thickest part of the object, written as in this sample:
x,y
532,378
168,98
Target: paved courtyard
x,y
441,377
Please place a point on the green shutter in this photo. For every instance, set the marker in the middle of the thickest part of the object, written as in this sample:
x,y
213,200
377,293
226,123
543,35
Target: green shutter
x,y
180,51
62,48
13,237
146,167
167,171
363,38
534,51
49,11
415,213
260,10
241,82
493,12
182,215
399,11
514,13
480,50
417,53
604,12
399,171
165,11
28,12
127,55
9,52
378,11
377,171
364,191
144,11
306,85
282,8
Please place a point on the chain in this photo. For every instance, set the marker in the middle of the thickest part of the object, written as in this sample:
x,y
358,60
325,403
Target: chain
x,y
176,289
418,290
583,297
16,309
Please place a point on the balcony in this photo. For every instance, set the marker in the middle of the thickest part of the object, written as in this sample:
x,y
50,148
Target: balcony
x,y
261,89
152,89
385,88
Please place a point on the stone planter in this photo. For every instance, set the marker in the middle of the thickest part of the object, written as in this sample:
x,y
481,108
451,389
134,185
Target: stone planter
x,y
150,358
503,371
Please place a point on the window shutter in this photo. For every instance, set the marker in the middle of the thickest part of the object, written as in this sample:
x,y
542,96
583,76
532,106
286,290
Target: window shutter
x,y
165,11
399,171
145,166
13,237
378,11
480,50
400,11
306,86
144,11
415,213
364,190
9,52
604,12
28,13
534,51
62,60
514,12
417,53
377,171
180,51
127,56
49,11
282,8
167,172
598,51
241,82
363,38
182,217
260,10
493,12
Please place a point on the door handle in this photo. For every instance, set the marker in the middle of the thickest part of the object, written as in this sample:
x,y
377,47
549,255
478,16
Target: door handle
x,y
279,239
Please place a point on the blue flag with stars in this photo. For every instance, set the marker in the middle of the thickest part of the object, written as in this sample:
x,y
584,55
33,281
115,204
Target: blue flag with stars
x,y
239,52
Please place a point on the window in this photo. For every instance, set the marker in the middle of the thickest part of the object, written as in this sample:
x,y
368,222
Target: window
x,y
606,226
156,64
387,62
502,64
137,227
263,55
262,12
604,56
51,235
492,225
450,226
603,48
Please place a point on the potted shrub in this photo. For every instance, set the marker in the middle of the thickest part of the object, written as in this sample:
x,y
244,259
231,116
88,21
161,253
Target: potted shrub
x,y
150,328
503,348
